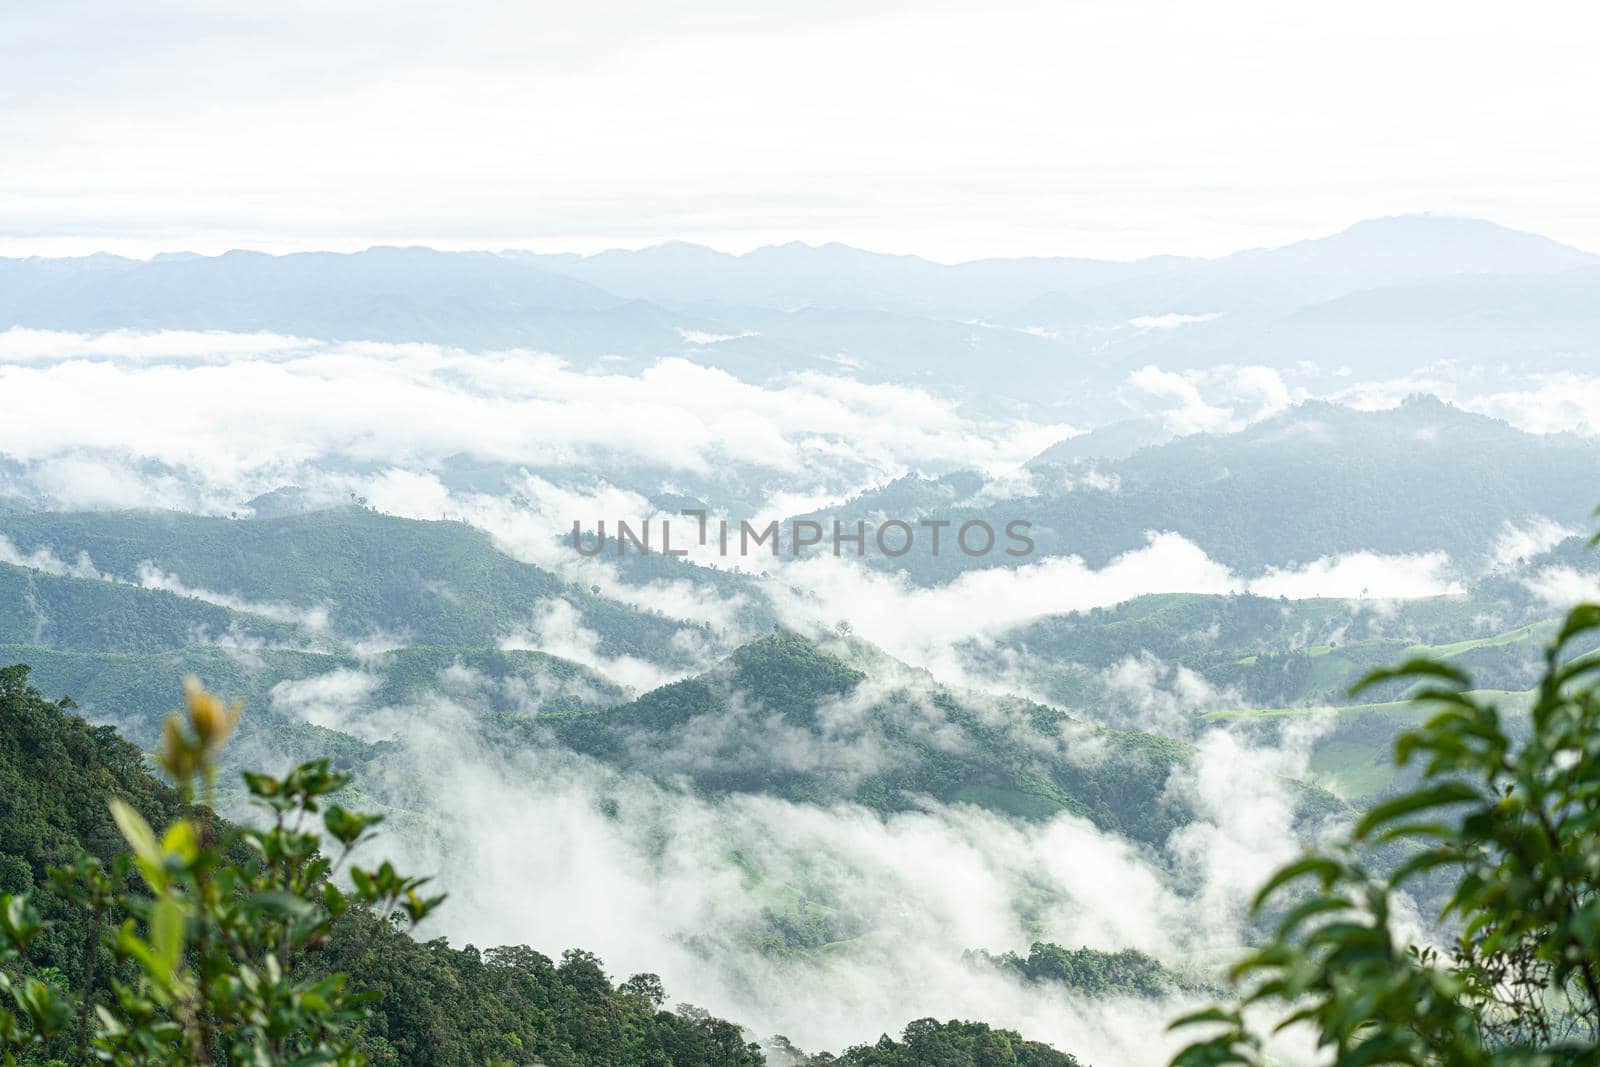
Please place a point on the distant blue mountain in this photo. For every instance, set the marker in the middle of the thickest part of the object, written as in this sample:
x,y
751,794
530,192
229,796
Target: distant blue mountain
x,y
1385,295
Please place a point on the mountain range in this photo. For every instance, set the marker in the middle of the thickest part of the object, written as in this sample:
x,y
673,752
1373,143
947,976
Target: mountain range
x,y
1387,295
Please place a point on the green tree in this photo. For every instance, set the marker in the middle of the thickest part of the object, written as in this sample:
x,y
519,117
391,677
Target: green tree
x,y
1506,817
219,930
930,1043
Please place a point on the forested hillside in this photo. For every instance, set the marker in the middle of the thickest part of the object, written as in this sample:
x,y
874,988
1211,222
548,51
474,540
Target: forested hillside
x,y
437,1004
884,743
114,646
1316,480
1272,652
357,574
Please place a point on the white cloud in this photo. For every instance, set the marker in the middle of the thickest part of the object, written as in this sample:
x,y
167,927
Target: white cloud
x,y
1558,402
1170,321
102,481
921,624
702,337
1518,543
1154,697
1183,409
44,558
1360,575
557,629
1245,824
19,344
334,700
563,852
1218,400
314,619
918,622
266,416
1563,587
1549,404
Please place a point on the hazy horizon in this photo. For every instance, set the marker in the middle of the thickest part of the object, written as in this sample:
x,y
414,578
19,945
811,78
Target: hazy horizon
x,y
222,246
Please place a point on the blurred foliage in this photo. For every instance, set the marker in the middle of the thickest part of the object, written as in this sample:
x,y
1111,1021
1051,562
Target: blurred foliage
x,y
1512,819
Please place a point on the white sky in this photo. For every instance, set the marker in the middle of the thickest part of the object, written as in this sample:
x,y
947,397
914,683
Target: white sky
x,y
1113,129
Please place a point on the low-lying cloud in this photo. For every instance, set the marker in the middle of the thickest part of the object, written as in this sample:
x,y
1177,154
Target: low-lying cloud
x,y
921,623
314,619
1218,400
557,628
565,852
237,415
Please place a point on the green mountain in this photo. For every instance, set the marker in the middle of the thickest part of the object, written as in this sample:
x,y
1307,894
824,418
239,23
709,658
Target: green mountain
x,y
438,1005
1317,480
785,717
135,691
1273,663
349,574
1266,651
96,615
368,575
116,648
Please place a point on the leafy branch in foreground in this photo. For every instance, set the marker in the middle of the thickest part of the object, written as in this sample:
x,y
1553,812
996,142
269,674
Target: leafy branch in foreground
x,y
219,931
1513,827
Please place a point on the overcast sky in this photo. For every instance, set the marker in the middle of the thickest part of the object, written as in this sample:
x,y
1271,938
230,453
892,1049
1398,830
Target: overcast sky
x,y
1115,128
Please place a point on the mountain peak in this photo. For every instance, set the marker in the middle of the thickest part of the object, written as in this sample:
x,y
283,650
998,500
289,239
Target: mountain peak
x,y
1440,244
787,665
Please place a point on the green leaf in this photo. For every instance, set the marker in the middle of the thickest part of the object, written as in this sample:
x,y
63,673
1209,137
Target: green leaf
x,y
334,900
136,832
1381,1048
1420,800
154,965
261,785
166,933
1318,905
1414,668
366,888
1579,620
277,902
1425,861
1209,1015
19,923
1324,868
348,826
180,840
